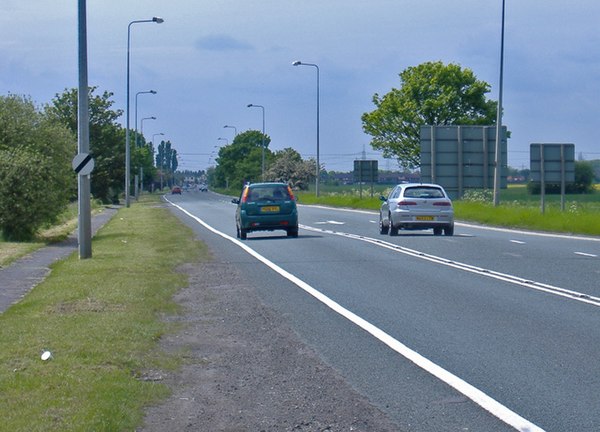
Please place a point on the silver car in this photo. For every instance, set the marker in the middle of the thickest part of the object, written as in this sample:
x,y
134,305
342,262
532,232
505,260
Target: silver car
x,y
416,206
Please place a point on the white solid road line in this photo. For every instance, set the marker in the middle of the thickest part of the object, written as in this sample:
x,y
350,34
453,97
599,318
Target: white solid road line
x,y
486,402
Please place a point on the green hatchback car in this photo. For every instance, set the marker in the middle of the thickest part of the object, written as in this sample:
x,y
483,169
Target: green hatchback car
x,y
266,207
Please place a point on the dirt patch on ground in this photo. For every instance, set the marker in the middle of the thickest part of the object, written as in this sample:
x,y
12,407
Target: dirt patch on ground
x,y
248,371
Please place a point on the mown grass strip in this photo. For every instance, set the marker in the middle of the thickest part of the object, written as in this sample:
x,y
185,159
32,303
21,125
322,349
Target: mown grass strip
x,y
100,318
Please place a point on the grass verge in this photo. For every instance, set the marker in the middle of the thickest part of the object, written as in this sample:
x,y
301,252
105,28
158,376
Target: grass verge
x,y
65,225
100,318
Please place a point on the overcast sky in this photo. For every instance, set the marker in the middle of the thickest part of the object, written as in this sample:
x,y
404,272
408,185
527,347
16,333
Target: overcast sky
x,y
210,59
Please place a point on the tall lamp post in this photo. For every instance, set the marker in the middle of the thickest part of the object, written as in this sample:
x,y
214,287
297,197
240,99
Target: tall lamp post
x,y
136,111
127,150
299,63
140,181
498,155
142,124
263,136
232,127
161,173
223,139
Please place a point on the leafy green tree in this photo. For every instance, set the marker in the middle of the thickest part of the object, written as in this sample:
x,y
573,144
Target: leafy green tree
x,y
241,161
431,94
289,167
36,179
107,139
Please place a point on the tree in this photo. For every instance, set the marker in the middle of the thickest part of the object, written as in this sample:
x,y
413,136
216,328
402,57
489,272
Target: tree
x,y
431,94
107,139
36,180
289,167
241,161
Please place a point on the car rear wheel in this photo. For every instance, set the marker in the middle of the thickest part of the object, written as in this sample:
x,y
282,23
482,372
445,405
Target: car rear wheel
x,y
292,232
382,228
393,230
437,231
243,234
449,230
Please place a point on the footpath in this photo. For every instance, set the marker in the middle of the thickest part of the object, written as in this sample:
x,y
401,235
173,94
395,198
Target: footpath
x,y
18,278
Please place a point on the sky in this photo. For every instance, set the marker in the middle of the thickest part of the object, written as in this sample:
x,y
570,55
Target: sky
x,y
210,59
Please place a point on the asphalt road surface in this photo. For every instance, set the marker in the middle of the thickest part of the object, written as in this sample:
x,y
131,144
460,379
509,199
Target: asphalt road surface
x,y
501,328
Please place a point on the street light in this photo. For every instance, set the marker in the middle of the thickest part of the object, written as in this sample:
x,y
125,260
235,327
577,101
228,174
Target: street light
x,y
127,150
263,137
234,129
142,124
161,160
299,63
223,139
498,155
136,110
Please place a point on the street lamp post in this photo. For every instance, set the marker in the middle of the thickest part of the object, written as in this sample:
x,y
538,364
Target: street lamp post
x,y
140,181
498,155
161,173
299,63
127,149
263,136
142,124
232,127
136,111
223,139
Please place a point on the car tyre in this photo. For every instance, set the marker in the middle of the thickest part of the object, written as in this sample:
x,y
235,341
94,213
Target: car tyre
x,y
437,231
382,228
243,234
393,230
292,232
449,230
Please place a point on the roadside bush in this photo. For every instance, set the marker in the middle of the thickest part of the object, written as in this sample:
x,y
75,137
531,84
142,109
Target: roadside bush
x,y
36,179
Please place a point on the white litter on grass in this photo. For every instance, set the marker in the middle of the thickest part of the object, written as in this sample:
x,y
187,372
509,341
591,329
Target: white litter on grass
x,y
46,355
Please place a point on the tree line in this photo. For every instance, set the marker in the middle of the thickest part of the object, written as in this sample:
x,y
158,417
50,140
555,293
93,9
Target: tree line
x,y
37,145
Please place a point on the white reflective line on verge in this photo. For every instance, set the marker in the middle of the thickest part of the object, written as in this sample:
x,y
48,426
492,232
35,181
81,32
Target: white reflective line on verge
x,y
483,400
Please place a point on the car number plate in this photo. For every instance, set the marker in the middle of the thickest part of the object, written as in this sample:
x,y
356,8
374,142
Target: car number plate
x,y
269,209
425,218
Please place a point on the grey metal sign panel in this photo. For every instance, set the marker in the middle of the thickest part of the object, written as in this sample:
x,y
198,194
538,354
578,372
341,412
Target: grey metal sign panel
x,y
461,157
366,171
554,160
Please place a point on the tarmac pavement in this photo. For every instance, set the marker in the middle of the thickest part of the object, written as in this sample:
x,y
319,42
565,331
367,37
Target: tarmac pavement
x,y
18,278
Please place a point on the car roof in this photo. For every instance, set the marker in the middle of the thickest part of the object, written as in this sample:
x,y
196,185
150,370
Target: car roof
x,y
266,184
420,184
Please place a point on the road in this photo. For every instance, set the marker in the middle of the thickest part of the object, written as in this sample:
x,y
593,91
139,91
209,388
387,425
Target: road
x,y
487,330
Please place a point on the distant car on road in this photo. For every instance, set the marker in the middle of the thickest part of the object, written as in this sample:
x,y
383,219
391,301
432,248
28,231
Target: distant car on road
x,y
202,188
266,207
416,206
176,190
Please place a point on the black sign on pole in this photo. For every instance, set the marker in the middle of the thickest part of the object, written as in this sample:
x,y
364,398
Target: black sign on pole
x,y
552,164
366,171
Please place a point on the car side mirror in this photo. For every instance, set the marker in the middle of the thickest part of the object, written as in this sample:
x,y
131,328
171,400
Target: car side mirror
x,y
382,198
235,201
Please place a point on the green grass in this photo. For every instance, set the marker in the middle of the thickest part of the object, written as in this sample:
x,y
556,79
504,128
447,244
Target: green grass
x,y
100,318
517,208
60,230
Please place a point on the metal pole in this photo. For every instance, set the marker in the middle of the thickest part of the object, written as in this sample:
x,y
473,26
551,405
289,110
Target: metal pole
x,y
498,155
84,229
127,149
263,136
318,169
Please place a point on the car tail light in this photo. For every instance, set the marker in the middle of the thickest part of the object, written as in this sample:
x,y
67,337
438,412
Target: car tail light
x,y
406,203
291,194
245,195
443,203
